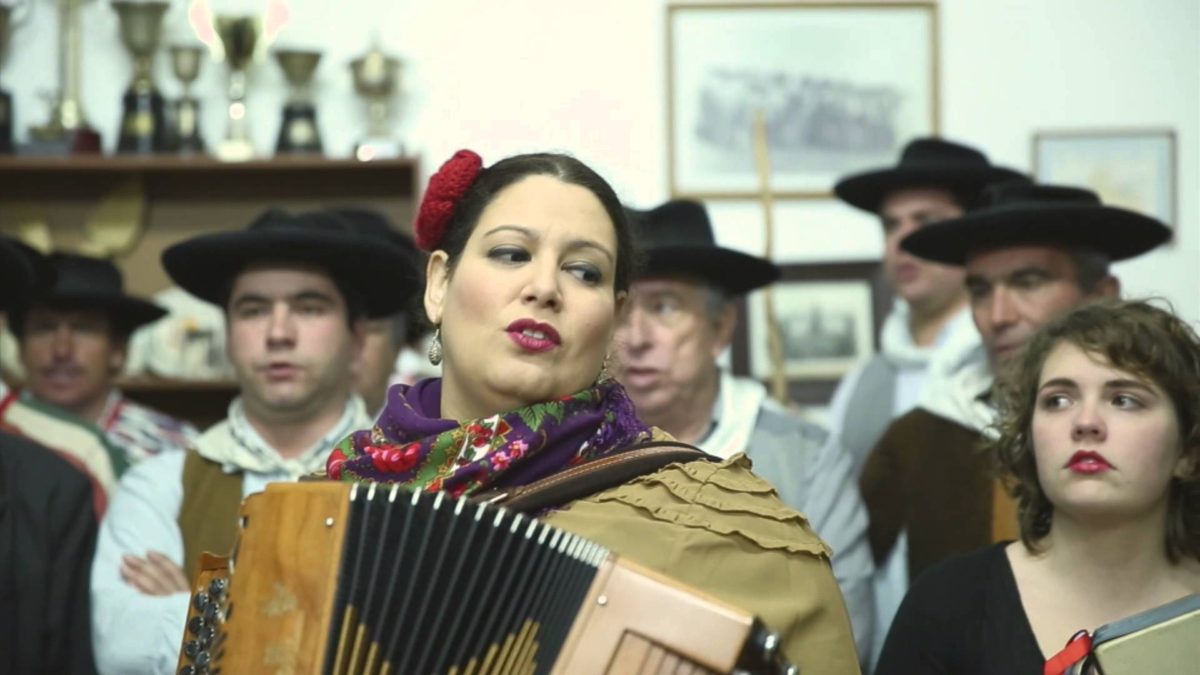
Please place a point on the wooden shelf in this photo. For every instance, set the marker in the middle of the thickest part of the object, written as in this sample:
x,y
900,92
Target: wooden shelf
x,y
156,384
194,164
180,197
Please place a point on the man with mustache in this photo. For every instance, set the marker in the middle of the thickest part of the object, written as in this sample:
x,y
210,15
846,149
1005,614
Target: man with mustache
x,y
74,339
47,527
680,317
297,291
1031,253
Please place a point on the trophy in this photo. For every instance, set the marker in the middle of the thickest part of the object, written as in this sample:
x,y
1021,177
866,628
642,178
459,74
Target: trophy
x,y
375,78
184,132
298,133
6,136
239,38
68,130
142,121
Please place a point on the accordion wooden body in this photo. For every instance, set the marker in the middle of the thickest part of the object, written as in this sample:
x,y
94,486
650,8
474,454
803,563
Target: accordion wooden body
x,y
341,579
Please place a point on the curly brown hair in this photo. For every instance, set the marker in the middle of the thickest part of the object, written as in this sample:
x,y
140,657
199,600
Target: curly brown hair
x,y
1134,336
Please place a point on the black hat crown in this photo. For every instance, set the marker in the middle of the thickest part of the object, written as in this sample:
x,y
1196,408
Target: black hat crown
x,y
1011,194
930,151
678,240
679,222
926,162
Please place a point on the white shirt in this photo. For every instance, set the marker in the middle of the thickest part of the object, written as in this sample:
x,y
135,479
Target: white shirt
x,y
134,633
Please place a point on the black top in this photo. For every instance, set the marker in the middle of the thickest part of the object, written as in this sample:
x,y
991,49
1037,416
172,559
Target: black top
x,y
47,532
963,616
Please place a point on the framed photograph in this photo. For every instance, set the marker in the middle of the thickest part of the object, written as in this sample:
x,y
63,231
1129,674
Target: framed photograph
x,y
842,86
1133,169
829,317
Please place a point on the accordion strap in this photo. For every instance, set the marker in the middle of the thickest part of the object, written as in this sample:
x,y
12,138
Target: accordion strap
x,y
596,476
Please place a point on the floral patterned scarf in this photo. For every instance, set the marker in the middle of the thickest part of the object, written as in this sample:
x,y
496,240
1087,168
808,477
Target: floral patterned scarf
x,y
412,445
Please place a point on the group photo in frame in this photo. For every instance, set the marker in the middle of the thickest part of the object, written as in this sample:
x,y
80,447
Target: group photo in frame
x,y
1130,168
841,86
829,316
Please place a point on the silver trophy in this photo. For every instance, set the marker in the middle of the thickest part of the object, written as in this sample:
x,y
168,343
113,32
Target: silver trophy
x,y
184,134
239,38
376,78
299,132
143,123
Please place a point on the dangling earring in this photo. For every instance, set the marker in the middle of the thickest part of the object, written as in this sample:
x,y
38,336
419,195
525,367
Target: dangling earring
x,y
435,347
605,371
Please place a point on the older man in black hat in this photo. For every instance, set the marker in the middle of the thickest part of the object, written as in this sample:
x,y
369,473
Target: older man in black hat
x,y
680,318
297,291
1031,253
47,529
73,341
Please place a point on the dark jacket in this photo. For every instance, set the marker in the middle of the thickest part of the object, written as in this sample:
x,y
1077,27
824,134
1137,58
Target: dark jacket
x,y
47,534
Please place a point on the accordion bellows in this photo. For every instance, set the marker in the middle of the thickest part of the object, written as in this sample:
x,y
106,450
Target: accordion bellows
x,y
360,578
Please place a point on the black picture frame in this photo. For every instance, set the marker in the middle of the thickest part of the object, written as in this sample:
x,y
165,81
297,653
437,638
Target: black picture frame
x,y
815,390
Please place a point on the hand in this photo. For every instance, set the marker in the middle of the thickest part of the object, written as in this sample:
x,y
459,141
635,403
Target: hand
x,y
154,575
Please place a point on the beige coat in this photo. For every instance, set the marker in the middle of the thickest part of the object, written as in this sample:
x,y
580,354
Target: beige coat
x,y
721,529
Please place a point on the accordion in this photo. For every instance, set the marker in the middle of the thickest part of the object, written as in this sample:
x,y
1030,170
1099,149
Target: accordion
x,y
343,579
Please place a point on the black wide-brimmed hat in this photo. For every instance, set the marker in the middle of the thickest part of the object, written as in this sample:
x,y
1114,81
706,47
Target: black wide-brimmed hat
x,y
23,272
925,162
382,275
677,240
86,282
1017,214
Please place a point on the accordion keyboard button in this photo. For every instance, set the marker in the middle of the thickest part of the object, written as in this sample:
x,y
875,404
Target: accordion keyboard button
x,y
196,624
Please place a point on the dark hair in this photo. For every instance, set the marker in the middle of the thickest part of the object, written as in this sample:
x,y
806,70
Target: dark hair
x,y
495,178
1134,336
1091,267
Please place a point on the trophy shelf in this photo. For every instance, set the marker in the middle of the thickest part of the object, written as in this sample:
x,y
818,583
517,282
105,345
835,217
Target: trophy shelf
x,y
147,203
201,402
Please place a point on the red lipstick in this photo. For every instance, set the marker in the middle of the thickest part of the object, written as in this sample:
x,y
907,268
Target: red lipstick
x,y
533,336
1088,462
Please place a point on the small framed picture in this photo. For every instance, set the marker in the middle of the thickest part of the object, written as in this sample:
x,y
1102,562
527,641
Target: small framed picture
x,y
841,86
829,316
1132,169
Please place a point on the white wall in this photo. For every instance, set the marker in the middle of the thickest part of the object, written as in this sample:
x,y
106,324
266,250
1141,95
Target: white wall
x,y
588,77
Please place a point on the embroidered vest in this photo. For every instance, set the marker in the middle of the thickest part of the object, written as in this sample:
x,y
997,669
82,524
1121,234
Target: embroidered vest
x,y
208,516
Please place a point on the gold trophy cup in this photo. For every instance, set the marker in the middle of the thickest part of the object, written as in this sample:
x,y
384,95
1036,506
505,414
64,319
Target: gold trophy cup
x,y
299,133
143,126
67,131
184,134
239,38
376,78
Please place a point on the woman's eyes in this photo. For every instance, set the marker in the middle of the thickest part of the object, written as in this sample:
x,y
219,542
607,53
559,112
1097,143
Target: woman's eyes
x,y
511,255
1055,401
1120,401
1126,401
586,273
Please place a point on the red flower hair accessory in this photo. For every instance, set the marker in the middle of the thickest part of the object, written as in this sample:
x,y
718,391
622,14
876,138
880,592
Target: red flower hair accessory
x,y
446,188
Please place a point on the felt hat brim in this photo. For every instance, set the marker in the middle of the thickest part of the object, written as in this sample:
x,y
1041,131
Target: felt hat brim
x,y
1115,232
867,190
381,273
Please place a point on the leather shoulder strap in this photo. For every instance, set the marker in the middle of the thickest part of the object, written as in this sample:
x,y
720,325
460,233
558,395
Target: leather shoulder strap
x,y
596,476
